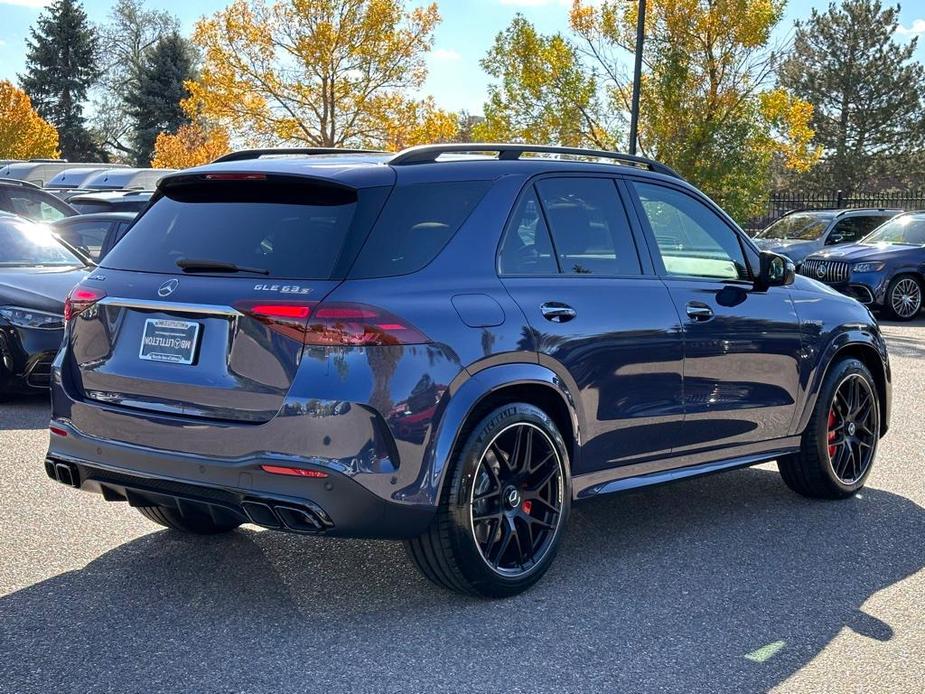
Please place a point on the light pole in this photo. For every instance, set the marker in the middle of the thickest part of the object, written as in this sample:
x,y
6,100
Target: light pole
x,y
637,74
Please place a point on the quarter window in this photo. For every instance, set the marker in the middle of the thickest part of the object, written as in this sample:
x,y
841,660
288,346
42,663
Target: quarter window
x,y
527,249
589,226
692,240
417,222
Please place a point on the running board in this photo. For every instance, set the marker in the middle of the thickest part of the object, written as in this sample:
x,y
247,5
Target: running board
x,y
661,477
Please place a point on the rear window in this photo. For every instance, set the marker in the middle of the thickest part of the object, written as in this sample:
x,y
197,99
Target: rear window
x,y
417,222
293,230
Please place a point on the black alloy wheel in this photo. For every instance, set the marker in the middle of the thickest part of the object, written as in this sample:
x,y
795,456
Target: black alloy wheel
x,y
516,501
852,429
504,504
839,443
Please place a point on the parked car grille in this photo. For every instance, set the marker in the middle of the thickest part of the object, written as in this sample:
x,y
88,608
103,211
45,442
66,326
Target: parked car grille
x,y
831,271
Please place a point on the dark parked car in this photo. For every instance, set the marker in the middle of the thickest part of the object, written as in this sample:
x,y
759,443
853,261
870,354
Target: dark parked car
x,y
800,233
30,201
36,273
110,201
449,350
885,271
94,235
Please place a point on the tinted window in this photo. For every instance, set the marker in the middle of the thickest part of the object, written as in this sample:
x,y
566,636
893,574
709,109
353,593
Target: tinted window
x,y
527,249
417,222
85,236
298,232
36,206
805,226
692,239
856,228
589,226
27,244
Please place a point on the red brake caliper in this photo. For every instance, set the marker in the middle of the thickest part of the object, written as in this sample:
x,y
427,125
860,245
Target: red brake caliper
x,y
832,421
526,506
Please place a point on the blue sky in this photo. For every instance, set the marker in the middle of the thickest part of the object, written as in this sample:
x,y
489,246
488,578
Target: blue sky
x,y
464,36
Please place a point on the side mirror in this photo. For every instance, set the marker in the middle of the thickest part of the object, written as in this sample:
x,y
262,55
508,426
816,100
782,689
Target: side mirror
x,y
834,238
776,270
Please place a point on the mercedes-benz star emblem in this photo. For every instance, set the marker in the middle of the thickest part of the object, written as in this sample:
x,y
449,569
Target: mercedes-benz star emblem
x,y
168,288
513,497
820,271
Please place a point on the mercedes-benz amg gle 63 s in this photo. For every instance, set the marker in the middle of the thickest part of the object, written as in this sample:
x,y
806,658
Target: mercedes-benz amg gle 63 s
x,y
449,346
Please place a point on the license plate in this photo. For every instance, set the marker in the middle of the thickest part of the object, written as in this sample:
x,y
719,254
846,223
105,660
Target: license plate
x,y
171,341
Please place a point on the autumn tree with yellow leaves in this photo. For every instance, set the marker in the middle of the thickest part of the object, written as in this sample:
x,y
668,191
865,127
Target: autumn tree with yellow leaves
x,y
542,92
708,106
192,145
23,133
324,73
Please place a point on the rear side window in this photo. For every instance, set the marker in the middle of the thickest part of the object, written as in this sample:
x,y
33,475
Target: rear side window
x,y
417,222
855,228
86,236
589,226
527,249
293,230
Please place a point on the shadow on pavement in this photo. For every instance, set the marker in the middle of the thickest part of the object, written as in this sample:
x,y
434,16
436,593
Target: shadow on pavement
x,y
668,588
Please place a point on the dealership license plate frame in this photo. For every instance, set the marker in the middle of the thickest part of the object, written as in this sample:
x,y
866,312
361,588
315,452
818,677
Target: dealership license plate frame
x,y
170,328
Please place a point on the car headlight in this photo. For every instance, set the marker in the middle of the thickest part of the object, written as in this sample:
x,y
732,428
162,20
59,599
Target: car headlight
x,y
867,267
29,318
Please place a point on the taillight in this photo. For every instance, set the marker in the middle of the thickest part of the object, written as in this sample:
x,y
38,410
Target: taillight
x,y
334,324
79,299
361,325
287,319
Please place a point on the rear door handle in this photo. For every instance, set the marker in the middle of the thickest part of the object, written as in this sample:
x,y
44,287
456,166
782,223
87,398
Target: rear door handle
x,y
557,312
699,312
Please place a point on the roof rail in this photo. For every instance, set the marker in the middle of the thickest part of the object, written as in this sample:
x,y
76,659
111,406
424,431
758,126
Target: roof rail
x,y
17,182
427,154
245,154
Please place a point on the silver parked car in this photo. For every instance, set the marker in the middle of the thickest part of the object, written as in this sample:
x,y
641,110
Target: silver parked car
x,y
797,234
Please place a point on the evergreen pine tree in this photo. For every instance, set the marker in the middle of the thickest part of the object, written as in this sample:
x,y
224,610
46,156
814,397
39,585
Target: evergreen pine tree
x,y
866,90
60,67
154,106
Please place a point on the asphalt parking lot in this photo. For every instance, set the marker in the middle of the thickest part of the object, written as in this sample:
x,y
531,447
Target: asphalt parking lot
x,y
728,583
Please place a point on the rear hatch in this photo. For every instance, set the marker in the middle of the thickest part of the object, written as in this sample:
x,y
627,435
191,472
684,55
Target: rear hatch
x,y
200,310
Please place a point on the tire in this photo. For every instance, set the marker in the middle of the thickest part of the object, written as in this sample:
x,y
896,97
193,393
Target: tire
x,y
485,500
839,444
198,524
907,302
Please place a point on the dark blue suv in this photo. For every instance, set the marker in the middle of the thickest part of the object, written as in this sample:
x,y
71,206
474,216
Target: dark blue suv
x,y
449,346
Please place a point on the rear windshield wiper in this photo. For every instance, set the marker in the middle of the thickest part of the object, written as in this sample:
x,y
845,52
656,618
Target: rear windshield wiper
x,y
195,265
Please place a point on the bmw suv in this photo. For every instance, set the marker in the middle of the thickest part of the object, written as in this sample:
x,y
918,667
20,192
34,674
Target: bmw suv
x,y
449,346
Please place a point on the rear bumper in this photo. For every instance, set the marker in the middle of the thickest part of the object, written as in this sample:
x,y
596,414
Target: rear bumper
x,y
335,505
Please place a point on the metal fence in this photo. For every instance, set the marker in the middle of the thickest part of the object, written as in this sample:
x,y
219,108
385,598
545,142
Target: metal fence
x,y
781,203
